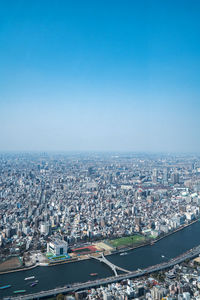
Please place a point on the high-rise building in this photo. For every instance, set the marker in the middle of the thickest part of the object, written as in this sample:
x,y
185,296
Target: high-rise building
x,y
165,176
155,175
175,178
44,228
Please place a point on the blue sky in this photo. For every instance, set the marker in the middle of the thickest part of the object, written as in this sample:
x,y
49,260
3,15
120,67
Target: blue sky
x,y
100,75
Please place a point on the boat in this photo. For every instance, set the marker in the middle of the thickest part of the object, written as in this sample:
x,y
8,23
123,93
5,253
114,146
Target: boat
x,y
5,287
29,278
34,283
19,291
44,264
123,253
93,274
162,256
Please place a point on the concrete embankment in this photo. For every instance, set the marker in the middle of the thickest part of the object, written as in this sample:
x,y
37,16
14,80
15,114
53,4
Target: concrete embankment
x,y
19,270
86,257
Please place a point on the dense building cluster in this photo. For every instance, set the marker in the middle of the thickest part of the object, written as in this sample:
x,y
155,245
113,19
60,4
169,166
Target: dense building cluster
x,y
180,283
86,197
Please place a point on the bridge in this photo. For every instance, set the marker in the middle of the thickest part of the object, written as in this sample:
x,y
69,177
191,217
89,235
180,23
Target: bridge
x,y
102,281
108,263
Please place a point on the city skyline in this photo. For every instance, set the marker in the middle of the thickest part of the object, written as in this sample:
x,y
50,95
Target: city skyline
x,y
103,76
84,215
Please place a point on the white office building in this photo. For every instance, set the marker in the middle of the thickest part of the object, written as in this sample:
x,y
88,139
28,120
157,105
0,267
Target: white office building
x,y
57,247
44,228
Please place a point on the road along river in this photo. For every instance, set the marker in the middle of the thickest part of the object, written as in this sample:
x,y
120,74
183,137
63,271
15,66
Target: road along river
x,y
60,275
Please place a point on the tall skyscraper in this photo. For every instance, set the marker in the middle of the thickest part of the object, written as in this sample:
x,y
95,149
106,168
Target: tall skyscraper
x,y
175,178
155,175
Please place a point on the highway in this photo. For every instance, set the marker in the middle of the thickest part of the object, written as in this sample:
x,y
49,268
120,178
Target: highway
x,y
81,286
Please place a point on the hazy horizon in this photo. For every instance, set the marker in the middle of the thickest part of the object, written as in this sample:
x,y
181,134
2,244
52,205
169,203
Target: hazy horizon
x,y
100,76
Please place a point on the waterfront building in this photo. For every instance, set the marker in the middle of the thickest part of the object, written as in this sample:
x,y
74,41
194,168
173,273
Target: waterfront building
x,y
107,295
57,247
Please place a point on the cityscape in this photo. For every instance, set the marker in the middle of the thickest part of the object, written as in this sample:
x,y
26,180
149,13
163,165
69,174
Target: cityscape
x,y
94,197
68,207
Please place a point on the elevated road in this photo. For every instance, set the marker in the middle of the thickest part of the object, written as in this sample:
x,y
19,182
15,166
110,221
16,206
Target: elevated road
x,y
81,286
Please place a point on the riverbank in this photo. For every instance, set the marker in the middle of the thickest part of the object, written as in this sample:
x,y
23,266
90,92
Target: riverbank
x,y
106,253
143,258
19,270
153,241
108,280
176,230
10,264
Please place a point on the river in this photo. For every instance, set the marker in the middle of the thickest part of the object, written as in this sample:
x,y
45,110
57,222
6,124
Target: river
x,y
60,275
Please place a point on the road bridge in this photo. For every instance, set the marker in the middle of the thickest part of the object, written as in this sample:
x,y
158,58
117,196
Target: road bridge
x,y
80,286
111,265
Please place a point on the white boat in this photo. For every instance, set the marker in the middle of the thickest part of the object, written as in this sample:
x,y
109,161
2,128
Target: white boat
x,y
123,253
29,278
162,256
43,264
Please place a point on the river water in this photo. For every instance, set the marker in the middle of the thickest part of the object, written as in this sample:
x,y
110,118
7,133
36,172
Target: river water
x,y
60,275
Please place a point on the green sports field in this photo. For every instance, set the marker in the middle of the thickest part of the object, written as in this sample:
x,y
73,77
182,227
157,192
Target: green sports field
x,y
127,241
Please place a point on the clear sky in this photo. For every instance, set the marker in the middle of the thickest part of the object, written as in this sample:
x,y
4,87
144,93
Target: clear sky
x,y
100,75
